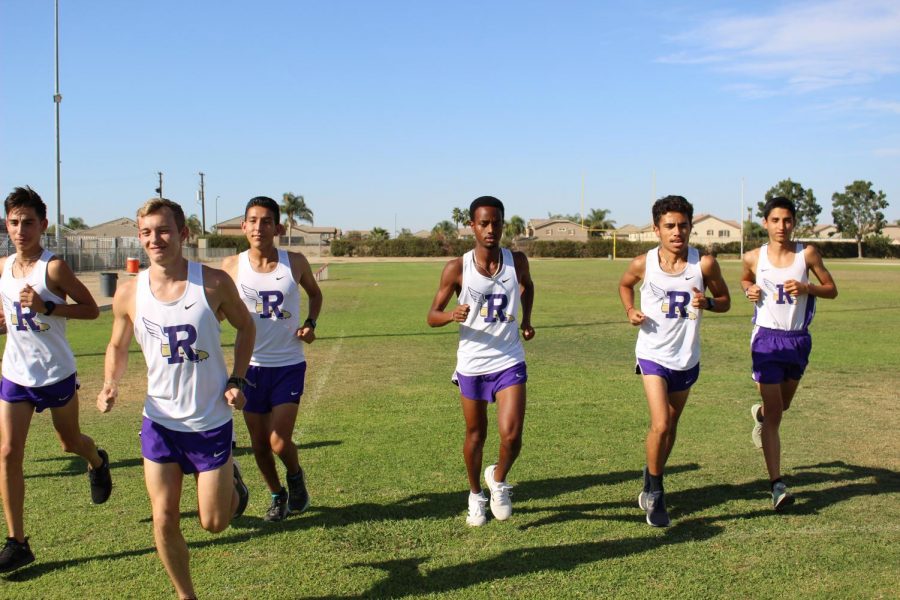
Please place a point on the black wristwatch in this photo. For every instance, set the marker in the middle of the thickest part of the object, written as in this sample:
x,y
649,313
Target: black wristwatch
x,y
311,323
710,303
49,307
238,382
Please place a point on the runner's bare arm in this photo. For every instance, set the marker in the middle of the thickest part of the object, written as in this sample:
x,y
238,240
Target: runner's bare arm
x,y
451,282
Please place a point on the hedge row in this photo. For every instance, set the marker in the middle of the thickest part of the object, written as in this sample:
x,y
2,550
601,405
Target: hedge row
x,y
403,246
238,242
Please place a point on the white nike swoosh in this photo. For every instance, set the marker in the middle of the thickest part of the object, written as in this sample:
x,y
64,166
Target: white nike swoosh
x,y
294,393
220,453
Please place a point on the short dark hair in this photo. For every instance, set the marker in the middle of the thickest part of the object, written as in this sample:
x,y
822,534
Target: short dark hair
x,y
677,204
779,202
485,201
25,197
267,203
155,205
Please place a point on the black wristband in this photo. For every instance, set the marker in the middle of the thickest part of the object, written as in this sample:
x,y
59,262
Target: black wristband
x,y
238,382
49,307
710,303
311,323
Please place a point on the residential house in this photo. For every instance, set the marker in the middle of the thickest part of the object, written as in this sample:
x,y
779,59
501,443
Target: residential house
x,y
709,229
556,230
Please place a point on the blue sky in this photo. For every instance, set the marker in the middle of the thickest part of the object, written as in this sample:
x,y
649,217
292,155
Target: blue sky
x,y
392,113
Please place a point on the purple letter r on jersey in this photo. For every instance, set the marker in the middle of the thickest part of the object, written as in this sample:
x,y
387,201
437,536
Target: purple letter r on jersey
x,y
271,302
183,344
680,301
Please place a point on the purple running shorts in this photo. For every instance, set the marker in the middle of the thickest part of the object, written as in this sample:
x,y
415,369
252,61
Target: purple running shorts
x,y
54,395
486,387
676,381
271,386
194,451
779,355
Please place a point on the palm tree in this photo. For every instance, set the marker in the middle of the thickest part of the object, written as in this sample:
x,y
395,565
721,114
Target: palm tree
x,y
378,234
295,206
195,227
444,230
460,215
598,218
516,226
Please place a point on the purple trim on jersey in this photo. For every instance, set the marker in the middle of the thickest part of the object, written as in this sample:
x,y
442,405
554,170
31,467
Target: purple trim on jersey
x,y
55,395
194,451
271,386
486,387
676,381
779,355
810,311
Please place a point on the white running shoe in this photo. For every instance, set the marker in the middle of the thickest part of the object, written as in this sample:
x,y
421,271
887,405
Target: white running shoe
x,y
501,504
781,496
477,510
756,434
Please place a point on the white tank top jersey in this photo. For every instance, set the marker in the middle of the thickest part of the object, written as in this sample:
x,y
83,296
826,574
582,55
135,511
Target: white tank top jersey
x,y
670,335
275,300
776,309
186,374
37,352
489,339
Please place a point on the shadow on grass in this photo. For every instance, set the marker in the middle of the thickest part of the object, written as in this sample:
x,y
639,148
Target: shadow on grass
x,y
78,466
404,577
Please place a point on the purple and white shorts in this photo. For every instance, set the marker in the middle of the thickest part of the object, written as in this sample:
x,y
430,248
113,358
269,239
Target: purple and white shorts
x,y
779,355
676,381
486,387
55,395
271,386
194,451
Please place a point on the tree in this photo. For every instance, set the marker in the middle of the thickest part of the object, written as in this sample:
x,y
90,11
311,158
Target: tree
x,y
598,218
573,218
405,233
379,234
444,230
195,227
460,215
295,209
516,226
857,212
76,223
804,200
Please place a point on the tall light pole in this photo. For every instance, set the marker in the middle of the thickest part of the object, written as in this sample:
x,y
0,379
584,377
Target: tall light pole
x,y
202,204
57,99
217,216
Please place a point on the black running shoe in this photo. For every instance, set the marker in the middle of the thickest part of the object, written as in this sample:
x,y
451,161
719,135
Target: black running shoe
x,y
15,555
241,488
654,503
101,481
279,509
299,497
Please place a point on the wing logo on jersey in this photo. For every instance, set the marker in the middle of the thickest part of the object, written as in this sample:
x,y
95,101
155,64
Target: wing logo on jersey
x,y
492,307
777,290
179,337
268,303
674,303
23,319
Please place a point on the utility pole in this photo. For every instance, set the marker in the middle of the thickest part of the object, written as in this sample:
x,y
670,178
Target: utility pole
x,y
159,189
57,99
202,204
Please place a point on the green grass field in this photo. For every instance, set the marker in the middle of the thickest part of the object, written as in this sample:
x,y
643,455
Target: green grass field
x,y
380,432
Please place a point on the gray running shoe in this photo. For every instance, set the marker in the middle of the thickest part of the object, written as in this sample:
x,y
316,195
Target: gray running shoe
x,y
654,504
756,434
781,496
241,489
299,496
15,555
279,509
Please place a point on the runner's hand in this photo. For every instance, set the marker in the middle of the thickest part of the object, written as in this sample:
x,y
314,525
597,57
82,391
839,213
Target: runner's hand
x,y
107,396
460,313
234,397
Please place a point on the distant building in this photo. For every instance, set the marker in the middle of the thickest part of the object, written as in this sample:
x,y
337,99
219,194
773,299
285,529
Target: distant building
x,y
300,234
555,230
709,229
630,232
893,232
121,227
825,232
